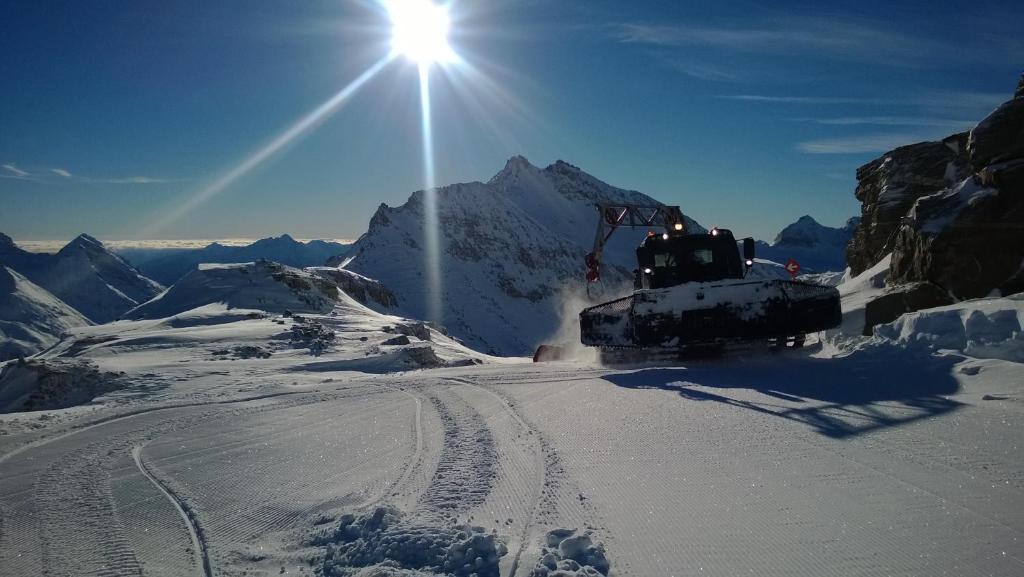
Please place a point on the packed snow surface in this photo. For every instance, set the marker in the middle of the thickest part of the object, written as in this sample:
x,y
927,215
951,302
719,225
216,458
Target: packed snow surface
x,y
231,440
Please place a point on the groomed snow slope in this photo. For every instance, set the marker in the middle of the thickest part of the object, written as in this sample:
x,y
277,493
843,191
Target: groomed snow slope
x,y
881,460
31,318
236,441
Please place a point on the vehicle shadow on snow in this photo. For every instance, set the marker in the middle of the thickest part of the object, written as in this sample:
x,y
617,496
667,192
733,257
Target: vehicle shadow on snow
x,y
837,397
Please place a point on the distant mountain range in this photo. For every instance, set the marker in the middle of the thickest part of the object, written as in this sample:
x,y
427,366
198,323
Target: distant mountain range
x,y
816,247
512,254
169,265
42,295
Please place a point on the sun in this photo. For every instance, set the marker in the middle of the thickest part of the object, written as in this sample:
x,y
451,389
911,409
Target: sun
x,y
419,31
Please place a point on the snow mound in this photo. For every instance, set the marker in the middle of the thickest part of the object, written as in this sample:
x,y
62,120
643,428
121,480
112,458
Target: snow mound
x,y
982,328
31,319
262,285
386,543
570,555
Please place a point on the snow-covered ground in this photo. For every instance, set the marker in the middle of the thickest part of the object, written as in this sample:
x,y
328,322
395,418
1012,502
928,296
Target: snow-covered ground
x,y
236,441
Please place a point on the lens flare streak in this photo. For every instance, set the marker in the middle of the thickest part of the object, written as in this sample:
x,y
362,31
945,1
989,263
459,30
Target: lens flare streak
x,y
303,126
430,218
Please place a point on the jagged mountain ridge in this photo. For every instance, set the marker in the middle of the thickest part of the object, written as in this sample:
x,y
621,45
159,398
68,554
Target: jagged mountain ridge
x,y
85,275
282,249
509,249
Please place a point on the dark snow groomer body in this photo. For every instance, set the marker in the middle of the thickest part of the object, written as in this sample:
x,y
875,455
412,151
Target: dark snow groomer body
x,y
693,291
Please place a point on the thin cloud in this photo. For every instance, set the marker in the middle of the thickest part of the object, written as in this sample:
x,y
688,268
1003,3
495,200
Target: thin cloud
x,y
707,71
131,180
48,175
807,99
858,144
966,104
15,171
832,38
890,121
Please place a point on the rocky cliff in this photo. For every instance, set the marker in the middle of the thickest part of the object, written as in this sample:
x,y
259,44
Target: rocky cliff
x,y
951,213
888,186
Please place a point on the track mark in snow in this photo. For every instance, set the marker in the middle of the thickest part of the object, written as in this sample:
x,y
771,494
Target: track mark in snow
x,y
527,454
79,524
467,469
61,514
415,461
191,523
532,456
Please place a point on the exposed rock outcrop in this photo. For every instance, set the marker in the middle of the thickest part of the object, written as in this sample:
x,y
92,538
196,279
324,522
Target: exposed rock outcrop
x,y
951,213
969,238
888,186
367,291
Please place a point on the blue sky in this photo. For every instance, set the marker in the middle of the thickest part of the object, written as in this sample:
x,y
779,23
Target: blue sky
x,y
113,113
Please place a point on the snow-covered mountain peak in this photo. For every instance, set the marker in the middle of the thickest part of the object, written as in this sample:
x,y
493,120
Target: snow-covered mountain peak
x,y
807,232
283,240
818,248
510,248
83,242
6,241
515,168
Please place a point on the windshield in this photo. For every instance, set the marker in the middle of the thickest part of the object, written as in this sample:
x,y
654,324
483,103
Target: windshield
x,y
689,259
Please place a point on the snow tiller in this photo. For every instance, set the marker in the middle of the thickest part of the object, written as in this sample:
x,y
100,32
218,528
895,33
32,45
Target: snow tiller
x,y
695,292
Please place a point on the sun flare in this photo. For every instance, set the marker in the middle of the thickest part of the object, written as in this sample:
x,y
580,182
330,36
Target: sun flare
x,y
419,31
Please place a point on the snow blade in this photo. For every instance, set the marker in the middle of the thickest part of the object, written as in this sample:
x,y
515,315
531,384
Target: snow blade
x,y
700,313
547,353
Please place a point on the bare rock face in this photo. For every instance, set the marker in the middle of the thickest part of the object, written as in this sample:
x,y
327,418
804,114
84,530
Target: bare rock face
x,y
888,186
367,291
969,238
1000,136
951,213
